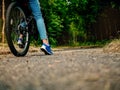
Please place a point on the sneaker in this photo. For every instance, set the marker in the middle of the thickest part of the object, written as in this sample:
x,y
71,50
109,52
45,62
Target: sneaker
x,y
46,49
20,43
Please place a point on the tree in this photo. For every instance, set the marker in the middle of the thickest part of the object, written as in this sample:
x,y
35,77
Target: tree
x,y
3,18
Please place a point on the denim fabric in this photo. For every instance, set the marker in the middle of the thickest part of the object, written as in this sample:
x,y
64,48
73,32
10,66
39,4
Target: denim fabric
x,y
36,10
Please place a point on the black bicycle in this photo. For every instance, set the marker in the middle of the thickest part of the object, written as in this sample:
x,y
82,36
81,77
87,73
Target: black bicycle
x,y
17,14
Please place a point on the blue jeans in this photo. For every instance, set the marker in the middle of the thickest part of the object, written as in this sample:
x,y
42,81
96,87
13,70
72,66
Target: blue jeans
x,y
36,10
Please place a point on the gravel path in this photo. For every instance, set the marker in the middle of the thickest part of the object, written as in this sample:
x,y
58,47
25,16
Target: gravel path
x,y
74,69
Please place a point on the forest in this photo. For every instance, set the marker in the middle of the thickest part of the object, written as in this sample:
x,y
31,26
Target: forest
x,y
75,22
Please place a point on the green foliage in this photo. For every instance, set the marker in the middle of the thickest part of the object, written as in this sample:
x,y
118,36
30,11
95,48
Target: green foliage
x,y
64,19
67,21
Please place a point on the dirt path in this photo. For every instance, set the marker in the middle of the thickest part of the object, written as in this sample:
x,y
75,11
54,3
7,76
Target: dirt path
x,y
74,69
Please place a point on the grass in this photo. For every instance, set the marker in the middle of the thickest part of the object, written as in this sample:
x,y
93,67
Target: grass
x,y
113,46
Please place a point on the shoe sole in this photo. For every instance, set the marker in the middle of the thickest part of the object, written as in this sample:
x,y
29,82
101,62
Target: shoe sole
x,y
46,53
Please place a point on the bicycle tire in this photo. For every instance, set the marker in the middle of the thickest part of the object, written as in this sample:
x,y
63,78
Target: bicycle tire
x,y
12,29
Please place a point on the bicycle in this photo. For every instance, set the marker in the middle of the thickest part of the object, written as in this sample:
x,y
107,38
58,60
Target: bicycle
x,y
18,12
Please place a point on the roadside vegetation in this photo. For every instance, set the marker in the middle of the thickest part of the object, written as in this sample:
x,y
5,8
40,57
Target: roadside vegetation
x,y
72,22
112,47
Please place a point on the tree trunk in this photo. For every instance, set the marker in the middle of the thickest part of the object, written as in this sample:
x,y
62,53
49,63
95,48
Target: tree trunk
x,y
3,19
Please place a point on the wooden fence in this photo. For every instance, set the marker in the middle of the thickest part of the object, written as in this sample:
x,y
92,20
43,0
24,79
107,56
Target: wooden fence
x,y
107,25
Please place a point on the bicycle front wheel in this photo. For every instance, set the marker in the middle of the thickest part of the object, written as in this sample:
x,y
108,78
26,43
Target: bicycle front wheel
x,y
14,17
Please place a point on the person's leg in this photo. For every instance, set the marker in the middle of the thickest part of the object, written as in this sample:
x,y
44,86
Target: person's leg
x,y
35,7
34,4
